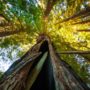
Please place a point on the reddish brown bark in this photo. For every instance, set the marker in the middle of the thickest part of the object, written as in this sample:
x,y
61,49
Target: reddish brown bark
x,y
49,7
54,70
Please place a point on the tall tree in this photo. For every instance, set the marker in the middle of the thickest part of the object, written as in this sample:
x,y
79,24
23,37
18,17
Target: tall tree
x,y
56,23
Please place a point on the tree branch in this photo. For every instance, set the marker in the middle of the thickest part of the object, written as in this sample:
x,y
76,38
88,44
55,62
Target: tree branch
x,y
8,33
84,30
81,13
82,22
74,52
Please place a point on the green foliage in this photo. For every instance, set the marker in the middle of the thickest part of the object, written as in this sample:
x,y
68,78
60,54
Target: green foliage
x,y
62,25
1,74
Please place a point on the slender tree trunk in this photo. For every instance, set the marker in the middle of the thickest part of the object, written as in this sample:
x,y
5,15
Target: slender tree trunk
x,y
49,7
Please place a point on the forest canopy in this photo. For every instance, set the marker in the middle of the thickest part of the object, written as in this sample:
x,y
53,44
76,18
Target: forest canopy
x,y
66,22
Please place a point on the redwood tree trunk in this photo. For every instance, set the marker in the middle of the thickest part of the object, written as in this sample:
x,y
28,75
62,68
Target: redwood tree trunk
x,y
41,69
